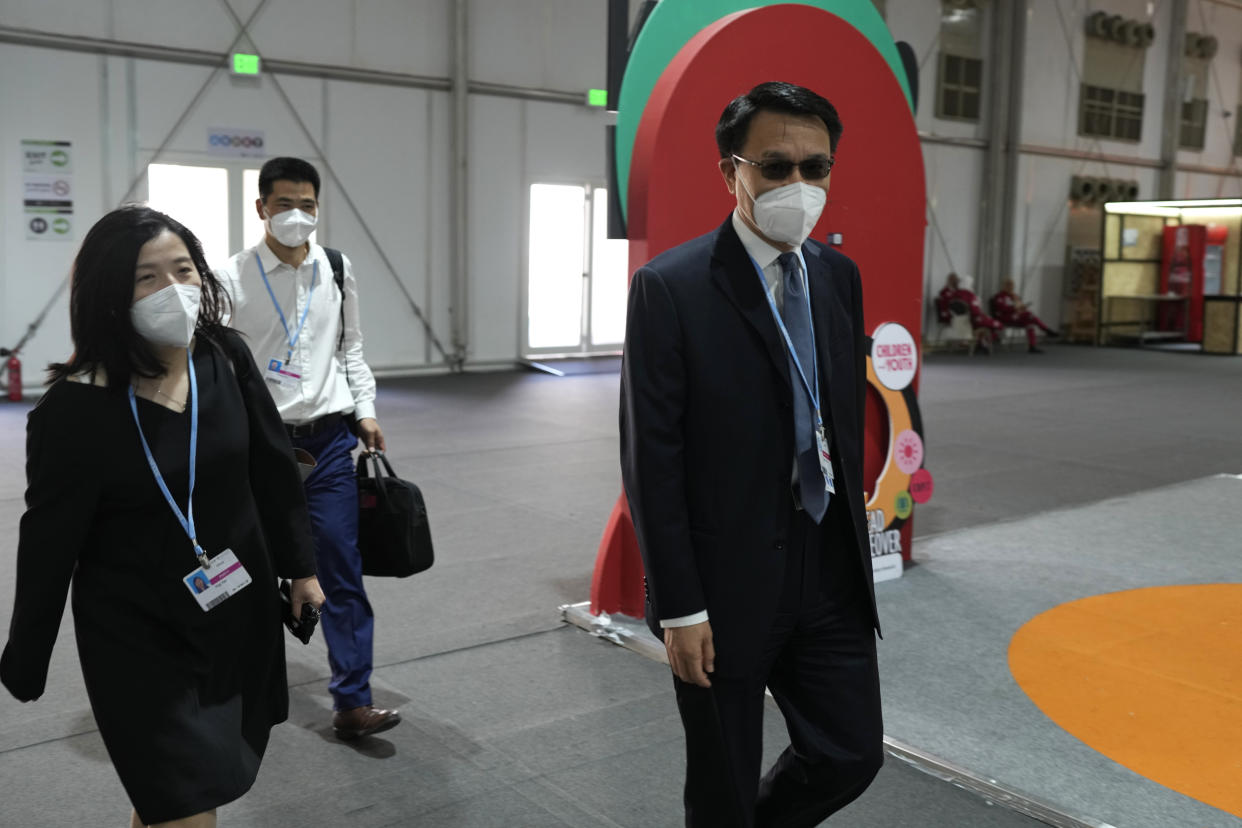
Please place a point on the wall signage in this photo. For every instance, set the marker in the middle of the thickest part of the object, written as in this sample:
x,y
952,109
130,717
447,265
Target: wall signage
x,y
47,189
235,143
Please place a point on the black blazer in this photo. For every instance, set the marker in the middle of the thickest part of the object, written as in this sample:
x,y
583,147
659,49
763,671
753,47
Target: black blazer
x,y
707,440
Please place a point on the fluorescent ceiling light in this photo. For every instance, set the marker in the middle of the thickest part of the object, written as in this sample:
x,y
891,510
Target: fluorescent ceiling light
x,y
1141,208
1175,208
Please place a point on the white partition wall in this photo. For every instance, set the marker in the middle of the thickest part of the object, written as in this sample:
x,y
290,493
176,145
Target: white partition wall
x,y
364,90
386,133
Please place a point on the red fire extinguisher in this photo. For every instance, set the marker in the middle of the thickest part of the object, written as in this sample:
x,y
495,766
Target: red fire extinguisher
x,y
14,366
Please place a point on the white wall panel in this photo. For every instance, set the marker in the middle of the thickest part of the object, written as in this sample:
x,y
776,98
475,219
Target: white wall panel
x,y
165,90
412,36
438,257
952,193
64,16
1202,185
58,97
541,142
1224,92
205,26
1050,91
385,172
408,36
547,44
919,25
498,215
565,141
315,31
953,181
1056,42
1041,219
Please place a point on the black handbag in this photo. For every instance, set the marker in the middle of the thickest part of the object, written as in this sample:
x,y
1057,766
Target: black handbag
x,y
393,534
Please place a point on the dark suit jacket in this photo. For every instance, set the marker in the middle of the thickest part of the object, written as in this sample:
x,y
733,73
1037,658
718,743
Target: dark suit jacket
x,y
707,441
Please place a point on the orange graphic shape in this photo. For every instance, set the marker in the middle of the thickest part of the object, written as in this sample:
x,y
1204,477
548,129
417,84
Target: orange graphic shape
x,y
1151,678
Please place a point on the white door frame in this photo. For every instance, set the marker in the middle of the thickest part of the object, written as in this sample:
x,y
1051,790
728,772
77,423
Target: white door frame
x,y
584,346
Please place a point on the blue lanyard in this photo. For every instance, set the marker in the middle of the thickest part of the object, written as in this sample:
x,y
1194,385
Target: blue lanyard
x,y
293,339
812,389
186,520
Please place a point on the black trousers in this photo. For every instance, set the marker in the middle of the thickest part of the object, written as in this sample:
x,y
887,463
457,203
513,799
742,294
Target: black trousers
x,y
820,664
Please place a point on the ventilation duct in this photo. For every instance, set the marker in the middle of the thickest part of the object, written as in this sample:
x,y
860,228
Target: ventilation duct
x,y
1082,189
1086,189
1200,45
1105,190
1118,29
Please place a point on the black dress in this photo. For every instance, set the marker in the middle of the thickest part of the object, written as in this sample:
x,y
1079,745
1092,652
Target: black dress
x,y
184,699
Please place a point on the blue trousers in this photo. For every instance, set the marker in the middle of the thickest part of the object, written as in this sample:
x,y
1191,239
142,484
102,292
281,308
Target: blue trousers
x,y
348,622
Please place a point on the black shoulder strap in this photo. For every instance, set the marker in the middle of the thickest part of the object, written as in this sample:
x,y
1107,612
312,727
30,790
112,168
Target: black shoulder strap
x,y
338,276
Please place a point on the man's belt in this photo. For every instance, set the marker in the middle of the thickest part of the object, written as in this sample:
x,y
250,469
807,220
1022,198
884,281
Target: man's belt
x,y
325,423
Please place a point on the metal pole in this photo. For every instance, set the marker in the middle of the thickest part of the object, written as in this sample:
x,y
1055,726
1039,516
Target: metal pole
x,y
1174,80
1017,57
459,264
992,186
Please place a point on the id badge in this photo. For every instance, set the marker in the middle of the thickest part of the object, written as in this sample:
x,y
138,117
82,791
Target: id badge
x,y
283,373
825,459
222,577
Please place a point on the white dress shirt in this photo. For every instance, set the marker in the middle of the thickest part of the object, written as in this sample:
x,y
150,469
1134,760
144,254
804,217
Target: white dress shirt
x,y
324,388
765,255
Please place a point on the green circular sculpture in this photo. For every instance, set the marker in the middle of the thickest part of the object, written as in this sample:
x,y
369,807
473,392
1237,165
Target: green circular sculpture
x,y
674,22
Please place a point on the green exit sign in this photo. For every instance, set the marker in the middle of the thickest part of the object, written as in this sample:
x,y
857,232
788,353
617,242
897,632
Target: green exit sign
x,y
597,97
244,64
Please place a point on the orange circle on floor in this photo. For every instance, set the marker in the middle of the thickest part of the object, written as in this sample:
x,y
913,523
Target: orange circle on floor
x,y
1151,678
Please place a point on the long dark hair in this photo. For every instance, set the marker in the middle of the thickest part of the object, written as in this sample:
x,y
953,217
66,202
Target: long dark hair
x,y
103,290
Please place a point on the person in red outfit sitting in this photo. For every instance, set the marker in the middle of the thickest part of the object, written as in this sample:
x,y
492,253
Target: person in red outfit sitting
x,y
1008,307
957,297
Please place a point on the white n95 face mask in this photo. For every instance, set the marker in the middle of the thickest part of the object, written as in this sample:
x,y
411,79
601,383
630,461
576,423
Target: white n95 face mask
x,y
788,214
168,316
292,227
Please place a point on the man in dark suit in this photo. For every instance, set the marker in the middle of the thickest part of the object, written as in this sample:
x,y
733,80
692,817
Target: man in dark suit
x,y
742,398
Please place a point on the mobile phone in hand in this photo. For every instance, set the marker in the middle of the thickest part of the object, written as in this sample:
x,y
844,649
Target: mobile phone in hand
x,y
301,624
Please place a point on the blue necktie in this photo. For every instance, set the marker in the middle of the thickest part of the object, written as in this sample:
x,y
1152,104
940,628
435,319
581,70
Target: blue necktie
x,y
797,316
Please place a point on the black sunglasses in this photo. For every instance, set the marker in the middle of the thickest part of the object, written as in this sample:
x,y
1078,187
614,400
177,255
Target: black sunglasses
x,y
778,169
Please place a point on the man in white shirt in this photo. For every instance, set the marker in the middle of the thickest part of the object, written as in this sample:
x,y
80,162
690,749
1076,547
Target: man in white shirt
x,y
304,333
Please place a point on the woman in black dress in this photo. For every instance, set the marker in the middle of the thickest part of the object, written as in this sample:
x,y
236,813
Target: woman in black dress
x,y
185,682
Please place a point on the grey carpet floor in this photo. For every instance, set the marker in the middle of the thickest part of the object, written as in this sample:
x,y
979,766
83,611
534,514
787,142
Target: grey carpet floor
x,y
514,719
553,729
949,621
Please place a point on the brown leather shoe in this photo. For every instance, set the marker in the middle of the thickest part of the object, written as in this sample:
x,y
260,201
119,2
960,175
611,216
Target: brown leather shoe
x,y
363,721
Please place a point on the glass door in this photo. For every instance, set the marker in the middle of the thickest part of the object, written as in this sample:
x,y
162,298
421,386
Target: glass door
x,y
215,201
576,277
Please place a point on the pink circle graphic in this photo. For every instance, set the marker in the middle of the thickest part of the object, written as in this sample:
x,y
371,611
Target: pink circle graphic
x,y
908,451
921,486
